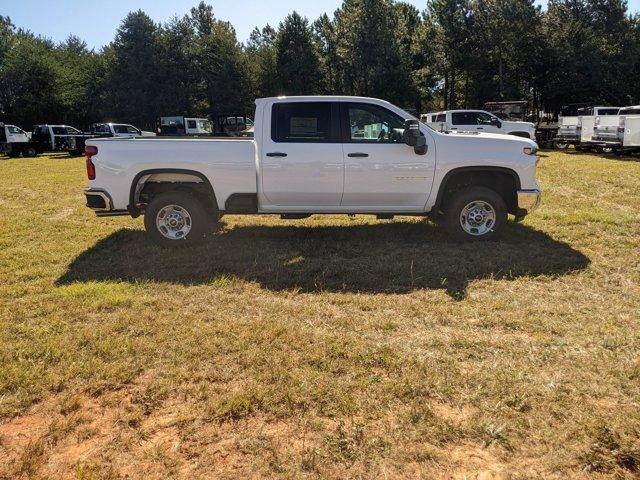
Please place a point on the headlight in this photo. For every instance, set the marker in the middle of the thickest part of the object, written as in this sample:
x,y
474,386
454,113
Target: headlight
x,y
530,150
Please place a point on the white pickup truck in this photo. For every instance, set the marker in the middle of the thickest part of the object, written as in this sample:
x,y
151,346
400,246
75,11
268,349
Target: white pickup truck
x,y
316,155
118,130
621,133
477,121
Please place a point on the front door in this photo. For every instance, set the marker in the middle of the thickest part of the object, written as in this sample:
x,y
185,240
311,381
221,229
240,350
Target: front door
x,y
302,164
382,173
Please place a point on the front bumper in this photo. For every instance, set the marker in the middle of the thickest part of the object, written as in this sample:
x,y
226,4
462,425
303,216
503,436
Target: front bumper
x,y
528,200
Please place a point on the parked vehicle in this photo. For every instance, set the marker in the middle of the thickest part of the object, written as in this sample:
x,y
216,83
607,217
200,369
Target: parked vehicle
x,y
480,121
118,130
234,125
626,136
316,155
180,126
59,138
568,126
517,111
586,125
15,142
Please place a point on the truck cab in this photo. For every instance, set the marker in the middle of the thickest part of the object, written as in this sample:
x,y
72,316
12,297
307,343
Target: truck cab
x,y
58,138
479,121
15,141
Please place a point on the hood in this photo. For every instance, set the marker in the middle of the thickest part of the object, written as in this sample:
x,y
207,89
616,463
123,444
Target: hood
x,y
519,124
504,139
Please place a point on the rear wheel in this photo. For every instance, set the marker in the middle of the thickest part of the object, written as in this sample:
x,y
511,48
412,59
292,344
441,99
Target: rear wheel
x,y
473,214
177,219
30,152
561,145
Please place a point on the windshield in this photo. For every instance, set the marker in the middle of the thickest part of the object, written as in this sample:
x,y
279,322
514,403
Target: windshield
x,y
126,129
205,125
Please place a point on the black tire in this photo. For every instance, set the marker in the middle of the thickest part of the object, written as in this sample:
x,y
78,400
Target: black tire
x,y
30,152
459,201
201,224
561,145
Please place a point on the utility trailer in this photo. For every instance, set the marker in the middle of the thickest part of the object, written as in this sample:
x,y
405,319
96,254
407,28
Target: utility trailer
x,y
621,133
587,118
15,142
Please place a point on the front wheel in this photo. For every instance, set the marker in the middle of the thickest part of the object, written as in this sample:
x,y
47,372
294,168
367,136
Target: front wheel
x,y
176,219
477,213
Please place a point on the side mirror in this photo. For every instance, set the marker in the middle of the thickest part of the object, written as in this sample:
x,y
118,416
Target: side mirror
x,y
496,123
414,138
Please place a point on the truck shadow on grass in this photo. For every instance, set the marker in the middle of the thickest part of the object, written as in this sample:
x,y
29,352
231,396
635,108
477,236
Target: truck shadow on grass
x,y
397,257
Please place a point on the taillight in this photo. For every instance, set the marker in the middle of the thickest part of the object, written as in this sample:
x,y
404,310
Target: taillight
x,y
90,151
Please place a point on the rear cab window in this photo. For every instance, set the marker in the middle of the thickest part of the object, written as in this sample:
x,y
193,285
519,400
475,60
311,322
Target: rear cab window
x,y
305,122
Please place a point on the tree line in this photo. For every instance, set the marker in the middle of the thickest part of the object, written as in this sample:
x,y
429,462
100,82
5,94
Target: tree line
x,y
454,54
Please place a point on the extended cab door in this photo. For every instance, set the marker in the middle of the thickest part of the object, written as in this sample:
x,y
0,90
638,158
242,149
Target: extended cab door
x,y
382,173
302,167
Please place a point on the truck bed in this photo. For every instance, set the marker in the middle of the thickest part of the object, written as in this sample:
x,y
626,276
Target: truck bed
x,y
229,164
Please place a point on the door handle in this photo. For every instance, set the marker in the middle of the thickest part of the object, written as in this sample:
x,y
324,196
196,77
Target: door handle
x,y
358,155
480,128
276,154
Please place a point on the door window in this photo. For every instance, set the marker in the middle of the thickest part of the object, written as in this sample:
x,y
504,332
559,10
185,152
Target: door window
x,y
463,118
371,123
14,130
483,118
303,122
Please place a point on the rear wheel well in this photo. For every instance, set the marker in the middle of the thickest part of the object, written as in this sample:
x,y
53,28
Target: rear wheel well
x,y
504,182
152,183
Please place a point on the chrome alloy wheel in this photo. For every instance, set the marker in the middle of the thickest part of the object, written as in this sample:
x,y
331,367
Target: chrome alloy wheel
x,y
478,218
173,222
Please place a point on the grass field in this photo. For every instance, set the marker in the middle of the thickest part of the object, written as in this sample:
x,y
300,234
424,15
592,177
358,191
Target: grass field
x,y
324,348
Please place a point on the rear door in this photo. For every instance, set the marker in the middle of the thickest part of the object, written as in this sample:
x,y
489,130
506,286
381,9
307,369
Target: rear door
x,y
382,173
302,167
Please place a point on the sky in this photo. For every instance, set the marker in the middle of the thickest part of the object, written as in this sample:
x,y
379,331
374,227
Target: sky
x,y
96,21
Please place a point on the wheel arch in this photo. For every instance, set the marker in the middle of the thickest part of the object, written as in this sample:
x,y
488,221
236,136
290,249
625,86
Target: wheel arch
x,y
472,174
173,176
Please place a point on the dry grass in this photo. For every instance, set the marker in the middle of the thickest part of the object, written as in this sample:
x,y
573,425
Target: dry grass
x,y
325,348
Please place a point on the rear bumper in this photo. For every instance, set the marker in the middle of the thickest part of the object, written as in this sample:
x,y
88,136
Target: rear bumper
x,y
100,202
608,140
528,200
